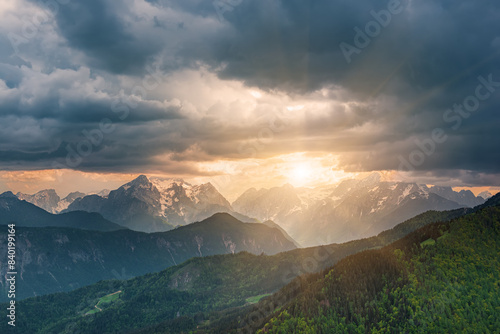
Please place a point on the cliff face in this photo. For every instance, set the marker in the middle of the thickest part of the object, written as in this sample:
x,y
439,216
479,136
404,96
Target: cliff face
x,y
60,259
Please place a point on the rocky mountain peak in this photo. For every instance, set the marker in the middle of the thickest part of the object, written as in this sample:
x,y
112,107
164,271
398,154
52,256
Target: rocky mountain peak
x,y
207,186
156,204
464,197
140,188
140,180
46,199
485,195
72,196
8,194
371,179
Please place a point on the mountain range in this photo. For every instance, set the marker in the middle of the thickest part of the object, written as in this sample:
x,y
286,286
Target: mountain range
x,y
53,259
49,200
419,277
442,278
350,210
22,213
155,205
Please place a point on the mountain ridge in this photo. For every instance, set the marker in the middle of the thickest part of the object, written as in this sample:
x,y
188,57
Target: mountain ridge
x,y
351,210
156,204
49,200
179,298
53,259
402,287
25,214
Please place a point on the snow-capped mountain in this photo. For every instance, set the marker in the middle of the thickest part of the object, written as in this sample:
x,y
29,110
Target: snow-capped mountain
x,y
157,204
349,210
25,214
45,199
102,193
269,204
353,209
464,197
368,210
485,194
49,200
183,203
66,201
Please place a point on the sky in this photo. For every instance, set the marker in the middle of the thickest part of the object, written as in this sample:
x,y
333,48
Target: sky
x,y
248,93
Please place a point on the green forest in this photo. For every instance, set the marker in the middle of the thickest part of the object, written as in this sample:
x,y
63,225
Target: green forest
x,y
443,278
435,271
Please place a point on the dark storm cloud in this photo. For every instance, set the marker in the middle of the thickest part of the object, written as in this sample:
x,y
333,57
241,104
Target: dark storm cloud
x,y
426,59
101,29
295,44
429,57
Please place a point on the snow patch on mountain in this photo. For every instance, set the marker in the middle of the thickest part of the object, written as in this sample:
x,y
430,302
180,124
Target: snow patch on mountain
x,y
485,195
157,204
348,210
49,200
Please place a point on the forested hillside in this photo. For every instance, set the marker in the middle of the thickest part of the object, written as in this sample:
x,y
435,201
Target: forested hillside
x,y
442,278
200,293
55,259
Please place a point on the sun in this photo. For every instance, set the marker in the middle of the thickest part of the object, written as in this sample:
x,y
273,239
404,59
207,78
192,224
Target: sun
x,y
300,174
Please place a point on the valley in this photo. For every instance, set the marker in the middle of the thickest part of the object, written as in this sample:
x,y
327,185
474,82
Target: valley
x,y
215,291
54,259
205,275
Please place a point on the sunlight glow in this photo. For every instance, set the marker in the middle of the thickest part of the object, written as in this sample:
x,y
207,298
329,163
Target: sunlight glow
x,y
255,94
295,108
300,174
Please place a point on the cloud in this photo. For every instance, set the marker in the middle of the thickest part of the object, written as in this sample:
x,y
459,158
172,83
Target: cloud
x,y
270,79
104,32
